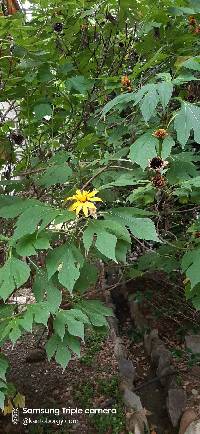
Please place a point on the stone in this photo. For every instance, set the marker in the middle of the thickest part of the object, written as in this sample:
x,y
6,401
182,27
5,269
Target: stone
x,y
193,343
127,370
136,315
148,338
188,417
176,403
119,349
131,400
193,428
136,422
166,374
158,348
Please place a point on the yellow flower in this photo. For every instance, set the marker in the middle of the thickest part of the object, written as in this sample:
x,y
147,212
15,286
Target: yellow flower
x,y
83,201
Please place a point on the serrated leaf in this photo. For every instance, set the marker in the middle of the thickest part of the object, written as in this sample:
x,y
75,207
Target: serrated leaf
x,y
3,366
120,99
192,63
36,217
191,265
63,355
186,120
41,312
165,90
51,346
27,321
106,244
167,146
39,286
2,399
13,274
149,102
88,277
59,324
54,297
144,149
142,228
75,328
55,175
73,343
68,260
42,110
15,333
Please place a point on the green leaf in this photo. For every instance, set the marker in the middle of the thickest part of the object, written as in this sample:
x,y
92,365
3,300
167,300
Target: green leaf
x,y
167,146
144,149
187,120
165,90
80,83
73,343
106,244
88,277
15,333
54,296
39,286
41,311
121,251
13,274
27,321
125,98
68,260
59,324
149,102
51,346
63,355
3,366
2,400
192,63
191,265
28,245
37,217
142,228
42,110
55,175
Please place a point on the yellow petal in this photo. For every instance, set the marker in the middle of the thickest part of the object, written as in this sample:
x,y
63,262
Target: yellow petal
x,y
78,209
92,193
96,199
73,206
85,209
90,205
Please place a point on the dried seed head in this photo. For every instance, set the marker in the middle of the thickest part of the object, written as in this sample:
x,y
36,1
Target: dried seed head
x,y
17,138
197,234
157,163
125,81
58,27
158,181
191,20
161,133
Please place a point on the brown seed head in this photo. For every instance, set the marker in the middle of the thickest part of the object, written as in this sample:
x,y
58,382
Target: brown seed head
x,y
192,21
161,133
125,81
158,181
157,163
